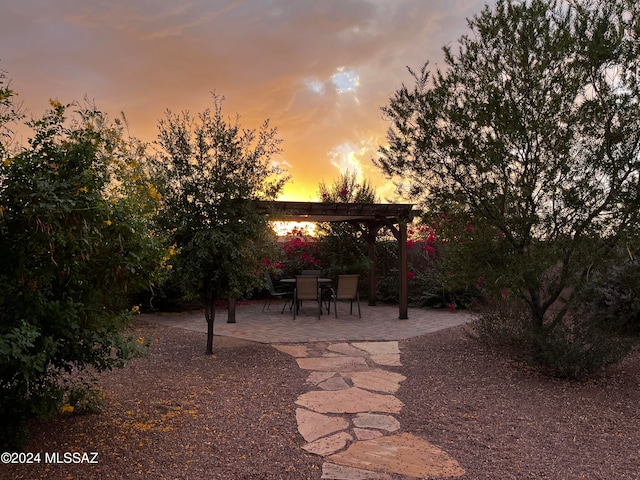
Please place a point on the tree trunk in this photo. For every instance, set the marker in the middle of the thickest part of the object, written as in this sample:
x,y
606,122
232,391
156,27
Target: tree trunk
x,y
231,317
537,326
210,314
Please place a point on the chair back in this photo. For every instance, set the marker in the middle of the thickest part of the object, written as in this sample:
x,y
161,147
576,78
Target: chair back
x,y
347,287
267,277
306,287
314,273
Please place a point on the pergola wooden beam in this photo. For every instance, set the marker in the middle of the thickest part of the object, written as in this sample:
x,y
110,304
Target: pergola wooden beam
x,y
372,215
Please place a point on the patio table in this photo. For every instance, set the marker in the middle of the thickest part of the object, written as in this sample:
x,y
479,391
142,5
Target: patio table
x,y
321,280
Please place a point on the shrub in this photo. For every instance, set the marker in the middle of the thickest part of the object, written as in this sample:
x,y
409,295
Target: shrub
x,y
613,296
76,241
300,252
577,347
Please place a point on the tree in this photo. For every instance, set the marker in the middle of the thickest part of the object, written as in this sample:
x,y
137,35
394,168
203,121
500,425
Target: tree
x,y
212,169
531,135
343,244
75,222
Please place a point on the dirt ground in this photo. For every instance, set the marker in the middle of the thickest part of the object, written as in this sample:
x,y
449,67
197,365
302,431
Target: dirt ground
x,y
180,414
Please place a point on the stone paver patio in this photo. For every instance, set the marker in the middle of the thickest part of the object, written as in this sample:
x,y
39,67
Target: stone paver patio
x,y
348,414
377,323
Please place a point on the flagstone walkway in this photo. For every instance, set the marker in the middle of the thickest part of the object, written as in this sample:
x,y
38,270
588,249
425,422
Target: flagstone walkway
x,y
348,416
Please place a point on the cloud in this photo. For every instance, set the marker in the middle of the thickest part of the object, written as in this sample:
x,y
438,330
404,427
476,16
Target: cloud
x,y
320,70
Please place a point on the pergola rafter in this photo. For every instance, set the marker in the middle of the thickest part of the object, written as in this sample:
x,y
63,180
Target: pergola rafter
x,y
371,216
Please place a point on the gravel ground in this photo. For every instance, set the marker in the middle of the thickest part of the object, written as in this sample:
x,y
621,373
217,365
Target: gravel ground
x,y
504,421
179,414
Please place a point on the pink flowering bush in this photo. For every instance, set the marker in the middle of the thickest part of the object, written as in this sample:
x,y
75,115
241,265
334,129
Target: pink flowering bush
x,y
300,252
437,275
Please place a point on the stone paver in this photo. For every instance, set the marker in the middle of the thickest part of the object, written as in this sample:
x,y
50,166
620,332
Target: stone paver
x,y
372,420
405,454
315,378
342,472
389,360
376,379
328,445
348,416
352,400
378,348
345,349
378,323
333,364
366,433
334,383
314,425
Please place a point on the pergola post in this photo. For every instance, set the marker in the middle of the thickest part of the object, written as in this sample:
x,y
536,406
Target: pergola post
x,y
400,234
404,274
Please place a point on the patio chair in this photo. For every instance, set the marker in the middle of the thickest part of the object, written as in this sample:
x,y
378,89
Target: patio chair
x,y
315,273
306,289
347,290
274,293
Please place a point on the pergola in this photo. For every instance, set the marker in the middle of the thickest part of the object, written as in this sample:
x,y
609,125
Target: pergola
x,y
368,217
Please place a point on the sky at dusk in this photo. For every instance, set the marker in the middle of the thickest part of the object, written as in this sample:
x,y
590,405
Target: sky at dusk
x,y
319,70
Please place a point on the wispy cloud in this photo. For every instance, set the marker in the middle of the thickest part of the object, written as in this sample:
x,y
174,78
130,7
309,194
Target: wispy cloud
x,y
320,70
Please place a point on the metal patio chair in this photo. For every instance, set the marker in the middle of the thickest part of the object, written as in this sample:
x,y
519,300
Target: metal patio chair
x,y
275,293
306,289
347,289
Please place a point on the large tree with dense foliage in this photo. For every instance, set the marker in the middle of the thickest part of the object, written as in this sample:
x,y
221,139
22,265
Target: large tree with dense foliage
x,y
212,170
530,135
75,221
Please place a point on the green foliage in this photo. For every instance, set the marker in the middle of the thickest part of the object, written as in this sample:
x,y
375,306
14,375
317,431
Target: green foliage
x,y
342,245
83,399
9,113
434,281
211,170
387,277
75,218
612,296
572,349
531,136
348,189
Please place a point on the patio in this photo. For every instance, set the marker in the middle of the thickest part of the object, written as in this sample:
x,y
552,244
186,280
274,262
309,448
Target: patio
x,y
378,323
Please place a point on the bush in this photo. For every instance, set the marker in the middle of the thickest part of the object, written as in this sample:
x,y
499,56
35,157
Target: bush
x,y
613,296
387,280
580,349
429,284
575,348
505,326
86,398
300,252
76,241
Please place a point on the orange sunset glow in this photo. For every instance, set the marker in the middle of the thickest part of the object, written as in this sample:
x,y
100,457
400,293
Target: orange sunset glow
x,y
318,70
